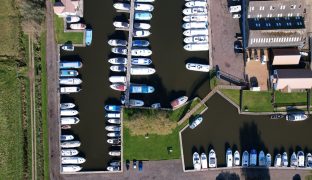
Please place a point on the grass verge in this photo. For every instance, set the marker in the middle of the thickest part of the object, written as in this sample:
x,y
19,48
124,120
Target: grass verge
x,y
291,98
232,94
63,37
257,101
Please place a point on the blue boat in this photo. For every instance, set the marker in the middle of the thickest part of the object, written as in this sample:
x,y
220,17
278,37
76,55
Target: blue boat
x,y
88,37
142,15
68,73
141,89
70,64
140,43
141,61
114,108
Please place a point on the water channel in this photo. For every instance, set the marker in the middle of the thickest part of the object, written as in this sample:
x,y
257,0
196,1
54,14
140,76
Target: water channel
x,y
170,81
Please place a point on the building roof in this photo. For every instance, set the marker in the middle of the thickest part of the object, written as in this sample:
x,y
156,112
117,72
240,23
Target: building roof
x,y
68,6
292,79
294,73
285,8
286,56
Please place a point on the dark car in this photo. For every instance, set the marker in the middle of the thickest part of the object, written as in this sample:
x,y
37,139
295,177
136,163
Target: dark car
x,y
127,164
140,165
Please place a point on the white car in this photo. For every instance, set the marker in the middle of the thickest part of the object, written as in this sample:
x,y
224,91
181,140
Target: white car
x,y
234,9
236,15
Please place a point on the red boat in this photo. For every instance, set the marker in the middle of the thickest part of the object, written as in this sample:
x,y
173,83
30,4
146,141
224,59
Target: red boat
x,y
178,102
119,87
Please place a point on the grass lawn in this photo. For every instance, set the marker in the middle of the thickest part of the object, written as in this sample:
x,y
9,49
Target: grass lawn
x,y
257,101
291,98
232,94
11,130
63,37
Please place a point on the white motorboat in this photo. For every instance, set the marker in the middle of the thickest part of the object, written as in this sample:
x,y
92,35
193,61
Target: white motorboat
x,y
69,112
122,6
115,163
120,50
196,4
144,26
194,123
70,81
141,61
117,42
196,32
262,161
73,160
119,24
69,120
114,141
72,19
156,105
114,134
118,60
113,168
301,161
67,137
212,159
141,33
136,103
143,7
285,159
114,153
253,158
70,64
77,26
195,18
144,1
196,39
229,158
196,161
268,160
70,89
112,128
69,152
141,52
236,158
195,11
112,115
70,168
296,117
179,101
117,79
234,9
203,160
141,70
114,121
118,86
118,68
309,160
278,160
293,160
197,47
68,73
67,105
245,159
195,25
68,47
197,67
70,144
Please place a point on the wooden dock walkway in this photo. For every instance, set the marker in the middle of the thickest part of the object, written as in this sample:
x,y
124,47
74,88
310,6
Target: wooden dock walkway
x,y
131,21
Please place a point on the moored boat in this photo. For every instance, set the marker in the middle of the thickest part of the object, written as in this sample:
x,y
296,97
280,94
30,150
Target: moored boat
x,y
145,26
195,32
136,88
229,158
118,87
245,159
156,105
68,73
296,117
68,112
194,25
278,160
143,7
196,4
117,79
69,152
88,37
212,159
114,163
72,19
179,101
70,144
113,168
141,33
68,47
203,160
112,128
112,115
65,126
276,116
196,161
268,160
309,160
293,160
197,47
70,64
142,15
118,60
195,122
301,161
114,121
119,24
115,108
236,158
73,160
70,168
67,105
253,158
66,137
195,11
118,68
195,18
141,61
114,141
117,42
136,103
114,153
114,134
140,43
197,67
141,52
69,89
69,120
122,6
148,1
70,81
139,70
284,159
262,161
120,50
77,26
196,39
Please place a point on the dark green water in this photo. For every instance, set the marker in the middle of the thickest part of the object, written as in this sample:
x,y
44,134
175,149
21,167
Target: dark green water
x,y
171,79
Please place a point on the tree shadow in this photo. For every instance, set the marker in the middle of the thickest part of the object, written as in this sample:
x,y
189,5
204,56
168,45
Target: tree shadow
x,y
227,176
296,177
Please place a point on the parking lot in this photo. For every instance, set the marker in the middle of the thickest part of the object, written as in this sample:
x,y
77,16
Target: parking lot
x,y
224,29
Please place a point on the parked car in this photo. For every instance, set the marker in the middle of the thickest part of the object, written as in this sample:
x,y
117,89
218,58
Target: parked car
x,y
134,164
236,16
127,164
140,166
